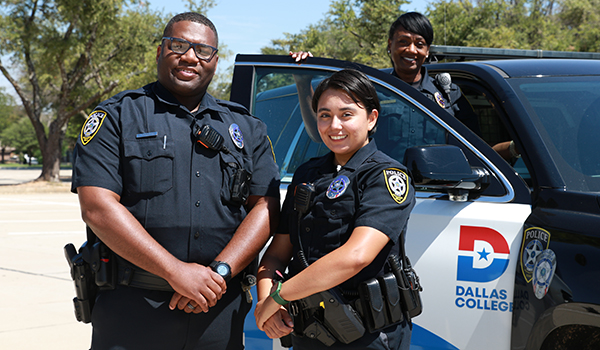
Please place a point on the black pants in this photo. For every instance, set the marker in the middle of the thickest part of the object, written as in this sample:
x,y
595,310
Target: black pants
x,y
392,338
130,318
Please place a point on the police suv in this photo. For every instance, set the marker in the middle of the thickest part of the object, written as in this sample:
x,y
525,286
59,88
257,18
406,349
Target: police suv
x,y
507,250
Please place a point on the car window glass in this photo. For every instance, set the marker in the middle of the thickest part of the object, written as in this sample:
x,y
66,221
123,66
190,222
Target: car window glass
x,y
491,125
276,103
401,124
566,111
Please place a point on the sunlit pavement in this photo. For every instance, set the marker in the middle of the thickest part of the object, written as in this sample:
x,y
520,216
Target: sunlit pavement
x,y
36,308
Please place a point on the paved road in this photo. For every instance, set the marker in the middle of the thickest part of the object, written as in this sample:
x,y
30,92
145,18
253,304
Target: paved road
x,y
36,311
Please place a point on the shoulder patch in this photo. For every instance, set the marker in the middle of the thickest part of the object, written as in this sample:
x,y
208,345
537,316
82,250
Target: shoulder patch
x,y
397,184
439,99
91,126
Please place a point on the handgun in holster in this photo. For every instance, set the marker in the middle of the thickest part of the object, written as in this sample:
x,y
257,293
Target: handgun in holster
x,y
85,286
326,316
93,268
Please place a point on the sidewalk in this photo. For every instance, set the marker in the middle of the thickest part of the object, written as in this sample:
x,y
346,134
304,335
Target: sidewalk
x,y
36,309
15,176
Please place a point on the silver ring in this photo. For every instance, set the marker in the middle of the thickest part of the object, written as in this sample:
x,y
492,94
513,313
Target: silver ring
x,y
192,307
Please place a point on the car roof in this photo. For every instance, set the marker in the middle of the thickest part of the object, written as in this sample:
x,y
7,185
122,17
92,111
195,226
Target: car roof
x,y
518,68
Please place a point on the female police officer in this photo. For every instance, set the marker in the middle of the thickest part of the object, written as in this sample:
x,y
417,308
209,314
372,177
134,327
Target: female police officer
x,y
409,39
362,201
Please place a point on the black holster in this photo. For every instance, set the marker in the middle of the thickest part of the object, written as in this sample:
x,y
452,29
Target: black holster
x,y
409,284
326,316
93,268
85,287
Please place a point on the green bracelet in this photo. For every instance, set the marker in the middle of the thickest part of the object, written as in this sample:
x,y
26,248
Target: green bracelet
x,y
275,295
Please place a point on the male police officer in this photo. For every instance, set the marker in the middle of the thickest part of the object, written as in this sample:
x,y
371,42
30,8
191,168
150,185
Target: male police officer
x,y
183,188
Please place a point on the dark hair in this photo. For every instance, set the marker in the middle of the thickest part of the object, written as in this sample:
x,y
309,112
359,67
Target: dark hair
x,y
413,22
356,85
191,17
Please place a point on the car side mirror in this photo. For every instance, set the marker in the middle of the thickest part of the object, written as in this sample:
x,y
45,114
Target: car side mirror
x,y
446,168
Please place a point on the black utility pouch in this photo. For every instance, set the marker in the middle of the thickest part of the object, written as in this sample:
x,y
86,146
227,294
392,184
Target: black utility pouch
x,y
389,287
373,304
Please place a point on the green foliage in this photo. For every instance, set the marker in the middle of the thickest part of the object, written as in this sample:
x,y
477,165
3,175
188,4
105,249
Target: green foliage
x,y
68,55
565,25
21,136
357,30
8,112
354,30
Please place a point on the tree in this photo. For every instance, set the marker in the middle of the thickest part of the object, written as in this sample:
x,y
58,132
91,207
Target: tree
x,y
354,30
71,54
565,25
21,136
357,30
8,116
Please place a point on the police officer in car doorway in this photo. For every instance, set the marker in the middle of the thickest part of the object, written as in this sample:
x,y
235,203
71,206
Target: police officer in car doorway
x,y
183,189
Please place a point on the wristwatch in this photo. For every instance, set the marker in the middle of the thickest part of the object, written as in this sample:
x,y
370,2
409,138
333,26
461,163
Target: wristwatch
x,y
222,268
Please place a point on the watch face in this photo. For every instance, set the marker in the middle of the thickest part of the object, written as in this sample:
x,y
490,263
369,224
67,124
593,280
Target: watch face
x,y
222,270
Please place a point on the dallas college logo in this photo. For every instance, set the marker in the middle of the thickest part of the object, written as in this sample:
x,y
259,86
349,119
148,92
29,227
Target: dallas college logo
x,y
483,254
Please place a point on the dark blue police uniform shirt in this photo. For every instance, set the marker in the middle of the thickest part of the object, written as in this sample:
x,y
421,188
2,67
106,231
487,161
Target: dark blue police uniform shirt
x,y
457,105
140,145
372,190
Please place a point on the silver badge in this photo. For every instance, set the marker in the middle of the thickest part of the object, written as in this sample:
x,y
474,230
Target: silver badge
x,y
543,273
535,240
338,187
236,135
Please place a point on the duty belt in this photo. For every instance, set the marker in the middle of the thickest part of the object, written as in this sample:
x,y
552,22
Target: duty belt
x,y
135,277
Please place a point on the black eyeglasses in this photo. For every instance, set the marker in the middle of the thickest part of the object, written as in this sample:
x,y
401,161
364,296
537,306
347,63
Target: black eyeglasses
x,y
181,46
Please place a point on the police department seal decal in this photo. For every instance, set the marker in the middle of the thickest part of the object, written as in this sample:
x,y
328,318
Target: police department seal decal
x,y
543,273
236,135
338,187
439,99
535,240
397,184
91,126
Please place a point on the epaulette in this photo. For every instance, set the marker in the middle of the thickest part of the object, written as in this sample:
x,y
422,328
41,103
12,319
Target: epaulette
x,y
123,94
233,106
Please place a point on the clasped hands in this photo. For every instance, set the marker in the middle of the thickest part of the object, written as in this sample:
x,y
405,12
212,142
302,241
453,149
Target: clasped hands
x,y
197,288
272,318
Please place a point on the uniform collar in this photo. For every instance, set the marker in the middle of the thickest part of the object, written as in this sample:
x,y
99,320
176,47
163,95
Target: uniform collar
x,y
426,83
361,155
208,102
163,94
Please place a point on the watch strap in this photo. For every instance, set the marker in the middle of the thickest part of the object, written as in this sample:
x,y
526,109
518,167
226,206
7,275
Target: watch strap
x,y
275,295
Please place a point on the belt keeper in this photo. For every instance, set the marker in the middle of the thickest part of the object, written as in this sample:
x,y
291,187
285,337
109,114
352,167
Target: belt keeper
x,y
127,276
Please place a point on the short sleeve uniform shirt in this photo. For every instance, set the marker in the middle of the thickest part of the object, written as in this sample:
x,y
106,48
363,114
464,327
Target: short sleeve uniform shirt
x,y
141,145
371,190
